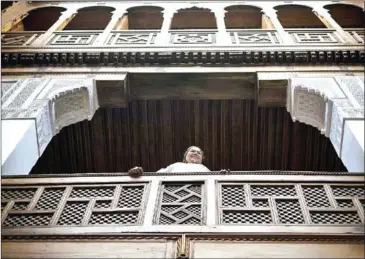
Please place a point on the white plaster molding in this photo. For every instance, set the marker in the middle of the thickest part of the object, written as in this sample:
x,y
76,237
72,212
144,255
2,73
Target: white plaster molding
x,y
53,103
317,102
309,106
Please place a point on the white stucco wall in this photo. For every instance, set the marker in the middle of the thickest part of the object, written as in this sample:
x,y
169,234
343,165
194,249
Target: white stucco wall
x,y
19,146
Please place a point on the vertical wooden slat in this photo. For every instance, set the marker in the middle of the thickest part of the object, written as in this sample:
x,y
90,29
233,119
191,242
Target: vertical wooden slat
x,y
152,203
35,199
144,134
233,133
61,206
88,211
211,201
303,205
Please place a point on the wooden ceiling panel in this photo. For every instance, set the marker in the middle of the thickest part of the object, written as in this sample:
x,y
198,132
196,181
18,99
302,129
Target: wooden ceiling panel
x,y
235,134
192,86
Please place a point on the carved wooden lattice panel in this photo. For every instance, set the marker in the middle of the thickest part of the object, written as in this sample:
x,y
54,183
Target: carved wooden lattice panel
x,y
180,203
77,205
254,38
291,204
314,37
131,38
73,38
193,38
18,39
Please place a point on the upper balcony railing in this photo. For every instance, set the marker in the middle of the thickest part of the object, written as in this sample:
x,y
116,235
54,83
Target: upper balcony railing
x,y
135,38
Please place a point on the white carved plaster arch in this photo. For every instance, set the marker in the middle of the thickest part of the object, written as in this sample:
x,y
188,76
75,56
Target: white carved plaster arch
x,y
53,103
309,104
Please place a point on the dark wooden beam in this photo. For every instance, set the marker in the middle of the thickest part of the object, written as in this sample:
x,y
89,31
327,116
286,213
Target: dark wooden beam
x,y
193,86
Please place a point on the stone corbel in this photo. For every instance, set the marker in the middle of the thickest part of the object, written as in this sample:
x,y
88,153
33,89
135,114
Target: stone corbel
x,y
308,105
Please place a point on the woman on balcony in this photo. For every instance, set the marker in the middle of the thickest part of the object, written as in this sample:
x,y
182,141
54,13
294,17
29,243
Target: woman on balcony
x,y
192,162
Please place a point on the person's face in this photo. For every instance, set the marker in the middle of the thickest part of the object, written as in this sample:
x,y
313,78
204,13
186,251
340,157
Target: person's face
x,y
195,156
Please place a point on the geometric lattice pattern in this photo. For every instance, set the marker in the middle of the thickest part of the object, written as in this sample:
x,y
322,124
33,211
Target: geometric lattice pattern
x,y
130,197
315,196
68,205
113,218
180,204
340,218
193,38
16,194
289,212
82,38
131,38
348,191
18,39
15,220
247,217
73,213
254,38
295,204
233,196
345,204
314,37
49,199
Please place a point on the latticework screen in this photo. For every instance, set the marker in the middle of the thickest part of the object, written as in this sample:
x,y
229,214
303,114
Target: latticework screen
x,y
324,204
73,205
180,204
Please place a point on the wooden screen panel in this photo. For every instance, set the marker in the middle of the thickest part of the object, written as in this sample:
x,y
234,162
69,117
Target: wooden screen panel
x,y
89,249
267,249
180,204
73,205
291,203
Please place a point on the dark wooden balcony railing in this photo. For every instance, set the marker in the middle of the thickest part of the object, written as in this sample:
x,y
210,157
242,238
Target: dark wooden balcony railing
x,y
250,202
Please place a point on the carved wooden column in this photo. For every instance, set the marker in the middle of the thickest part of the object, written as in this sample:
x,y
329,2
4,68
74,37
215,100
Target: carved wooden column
x,y
104,35
271,15
222,36
61,23
163,37
327,19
